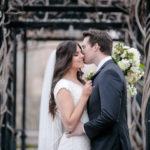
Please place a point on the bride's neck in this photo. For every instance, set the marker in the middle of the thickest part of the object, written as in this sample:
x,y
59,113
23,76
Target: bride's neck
x,y
71,74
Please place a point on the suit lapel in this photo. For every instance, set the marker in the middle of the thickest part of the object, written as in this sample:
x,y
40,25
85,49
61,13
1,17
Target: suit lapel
x,y
103,66
98,72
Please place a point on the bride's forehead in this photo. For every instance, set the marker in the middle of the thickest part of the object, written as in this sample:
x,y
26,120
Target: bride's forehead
x,y
78,49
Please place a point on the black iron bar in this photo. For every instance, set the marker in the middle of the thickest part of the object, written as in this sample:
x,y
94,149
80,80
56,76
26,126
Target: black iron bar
x,y
74,8
59,39
23,136
65,25
15,87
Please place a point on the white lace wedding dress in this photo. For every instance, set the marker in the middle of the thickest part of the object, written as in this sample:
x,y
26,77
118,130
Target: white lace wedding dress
x,y
75,142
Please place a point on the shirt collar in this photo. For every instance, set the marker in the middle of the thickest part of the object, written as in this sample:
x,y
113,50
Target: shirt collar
x,y
102,62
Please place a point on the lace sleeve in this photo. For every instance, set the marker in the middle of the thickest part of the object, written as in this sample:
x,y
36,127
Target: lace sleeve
x,y
60,85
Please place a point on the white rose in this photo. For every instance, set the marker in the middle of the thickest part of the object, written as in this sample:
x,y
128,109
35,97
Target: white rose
x,y
132,50
126,47
124,54
131,89
130,79
124,64
135,52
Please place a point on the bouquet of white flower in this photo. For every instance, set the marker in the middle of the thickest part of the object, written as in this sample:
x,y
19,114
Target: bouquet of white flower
x,y
128,59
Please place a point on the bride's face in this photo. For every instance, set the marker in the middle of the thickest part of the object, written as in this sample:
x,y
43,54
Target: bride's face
x,y
77,60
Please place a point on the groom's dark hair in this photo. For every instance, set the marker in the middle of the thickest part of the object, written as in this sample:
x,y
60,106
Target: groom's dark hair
x,y
101,38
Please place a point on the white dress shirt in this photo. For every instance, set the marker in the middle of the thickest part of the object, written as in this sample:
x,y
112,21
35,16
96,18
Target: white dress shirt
x,y
101,63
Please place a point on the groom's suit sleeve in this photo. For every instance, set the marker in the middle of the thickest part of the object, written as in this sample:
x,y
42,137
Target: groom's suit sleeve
x,y
110,92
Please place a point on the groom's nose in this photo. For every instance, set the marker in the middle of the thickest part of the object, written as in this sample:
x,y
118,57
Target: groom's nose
x,y
83,52
82,55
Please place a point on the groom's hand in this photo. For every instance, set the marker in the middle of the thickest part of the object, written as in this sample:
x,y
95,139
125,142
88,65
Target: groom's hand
x,y
77,131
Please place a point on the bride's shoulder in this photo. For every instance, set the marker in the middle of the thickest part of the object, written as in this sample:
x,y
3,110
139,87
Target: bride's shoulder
x,y
61,84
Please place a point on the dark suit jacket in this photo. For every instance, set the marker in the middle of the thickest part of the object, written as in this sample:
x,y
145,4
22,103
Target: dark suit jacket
x,y
106,107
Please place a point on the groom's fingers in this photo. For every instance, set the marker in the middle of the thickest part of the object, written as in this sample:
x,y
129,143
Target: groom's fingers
x,y
68,135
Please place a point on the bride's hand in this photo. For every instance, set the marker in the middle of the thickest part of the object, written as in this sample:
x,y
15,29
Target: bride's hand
x,y
87,89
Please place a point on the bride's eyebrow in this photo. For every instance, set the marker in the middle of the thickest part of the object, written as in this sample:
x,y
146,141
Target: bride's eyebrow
x,y
76,52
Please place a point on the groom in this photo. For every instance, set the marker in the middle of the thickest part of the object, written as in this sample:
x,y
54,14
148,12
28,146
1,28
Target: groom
x,y
107,126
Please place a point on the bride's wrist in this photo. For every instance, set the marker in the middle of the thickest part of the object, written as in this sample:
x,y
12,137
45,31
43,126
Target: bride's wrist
x,y
84,97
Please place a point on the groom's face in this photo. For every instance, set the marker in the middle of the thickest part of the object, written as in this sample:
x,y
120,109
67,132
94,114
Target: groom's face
x,y
87,51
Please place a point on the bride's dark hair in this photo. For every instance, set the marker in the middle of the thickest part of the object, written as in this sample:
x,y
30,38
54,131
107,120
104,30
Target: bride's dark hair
x,y
64,53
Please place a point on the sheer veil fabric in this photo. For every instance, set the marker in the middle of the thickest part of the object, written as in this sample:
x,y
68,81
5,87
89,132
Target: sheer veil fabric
x,y
50,130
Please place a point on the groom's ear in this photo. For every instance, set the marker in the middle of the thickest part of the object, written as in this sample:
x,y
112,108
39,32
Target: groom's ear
x,y
97,47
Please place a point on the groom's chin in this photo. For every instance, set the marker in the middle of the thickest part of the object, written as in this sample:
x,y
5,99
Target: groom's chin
x,y
85,62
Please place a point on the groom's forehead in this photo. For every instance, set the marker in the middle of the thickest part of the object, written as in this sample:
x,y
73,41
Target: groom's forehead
x,y
85,41
86,38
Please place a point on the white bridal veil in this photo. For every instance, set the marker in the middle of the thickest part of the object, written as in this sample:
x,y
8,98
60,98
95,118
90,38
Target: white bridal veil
x,y
50,131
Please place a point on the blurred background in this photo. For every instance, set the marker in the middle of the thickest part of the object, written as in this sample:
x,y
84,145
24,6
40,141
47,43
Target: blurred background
x,y
31,29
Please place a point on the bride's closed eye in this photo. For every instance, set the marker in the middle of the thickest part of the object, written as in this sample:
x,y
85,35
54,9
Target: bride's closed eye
x,y
76,54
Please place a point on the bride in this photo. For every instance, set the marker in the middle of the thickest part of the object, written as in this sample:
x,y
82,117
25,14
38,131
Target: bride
x,y
63,101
